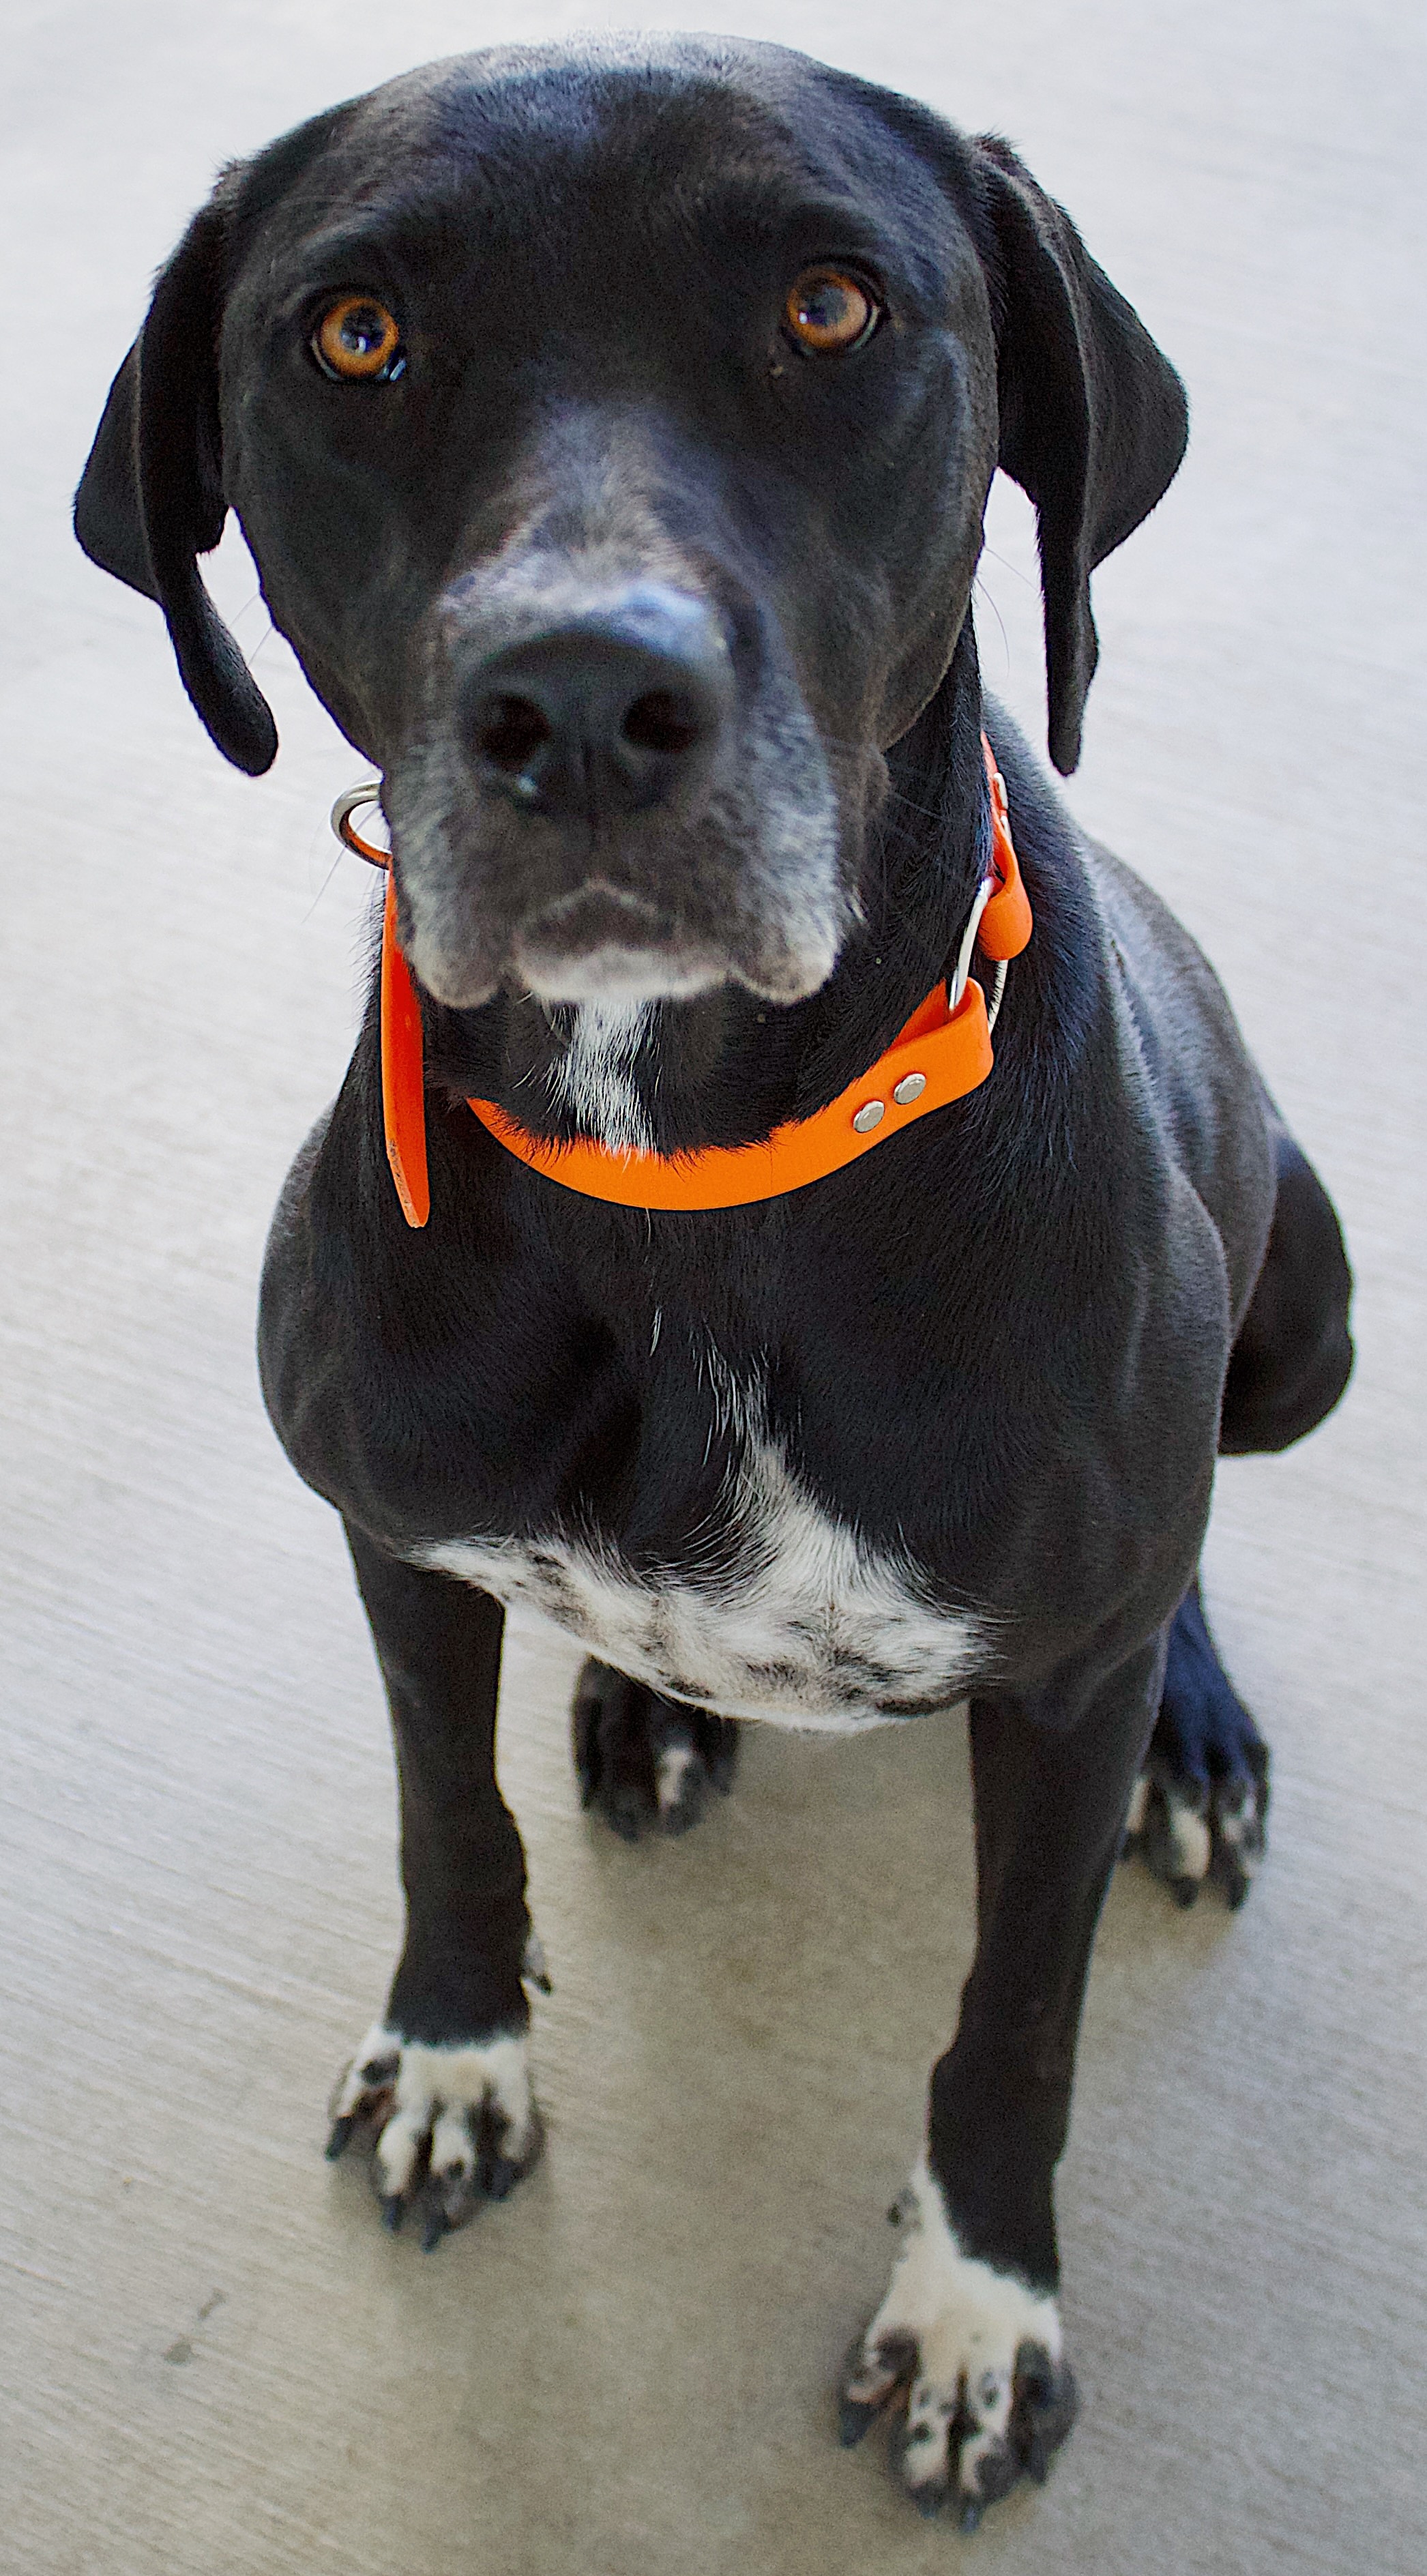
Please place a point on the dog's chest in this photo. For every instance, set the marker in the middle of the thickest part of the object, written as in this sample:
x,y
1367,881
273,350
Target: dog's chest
x,y
790,1616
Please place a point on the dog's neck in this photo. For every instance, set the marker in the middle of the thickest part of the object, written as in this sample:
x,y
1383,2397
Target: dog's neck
x,y
726,1068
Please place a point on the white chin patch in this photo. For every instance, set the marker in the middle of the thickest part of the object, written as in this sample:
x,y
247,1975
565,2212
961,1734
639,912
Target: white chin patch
x,y
617,978
976,2349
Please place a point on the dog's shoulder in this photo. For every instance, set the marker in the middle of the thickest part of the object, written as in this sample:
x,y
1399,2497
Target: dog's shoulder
x,y
1207,1090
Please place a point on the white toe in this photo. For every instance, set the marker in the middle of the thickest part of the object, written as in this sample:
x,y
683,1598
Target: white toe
x,y
1190,1842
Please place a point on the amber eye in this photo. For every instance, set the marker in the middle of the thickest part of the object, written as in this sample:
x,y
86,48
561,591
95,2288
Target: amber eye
x,y
829,312
358,338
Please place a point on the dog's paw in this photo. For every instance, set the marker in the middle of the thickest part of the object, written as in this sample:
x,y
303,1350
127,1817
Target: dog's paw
x,y
645,1762
452,2124
976,2356
1198,1809
1192,1833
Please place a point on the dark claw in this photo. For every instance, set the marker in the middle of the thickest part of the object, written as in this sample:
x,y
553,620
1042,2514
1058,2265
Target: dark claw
x,y
1184,1891
498,2175
928,2501
433,2231
725,1760
1049,2397
341,2132
853,2419
393,2211
682,1818
969,2518
451,2200
623,1814
998,2474
854,2414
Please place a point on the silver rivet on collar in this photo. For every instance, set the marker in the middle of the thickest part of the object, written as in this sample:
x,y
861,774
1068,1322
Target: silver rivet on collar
x,y
910,1088
870,1115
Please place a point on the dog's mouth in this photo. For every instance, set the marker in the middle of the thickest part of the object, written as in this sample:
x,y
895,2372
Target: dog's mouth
x,y
751,894
600,944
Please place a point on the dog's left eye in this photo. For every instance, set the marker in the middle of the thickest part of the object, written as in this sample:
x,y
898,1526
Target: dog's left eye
x,y
359,340
828,311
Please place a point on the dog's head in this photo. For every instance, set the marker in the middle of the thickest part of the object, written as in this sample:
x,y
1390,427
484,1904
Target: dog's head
x,y
612,429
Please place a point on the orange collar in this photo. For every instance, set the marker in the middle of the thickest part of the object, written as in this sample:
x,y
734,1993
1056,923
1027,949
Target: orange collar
x,y
943,1052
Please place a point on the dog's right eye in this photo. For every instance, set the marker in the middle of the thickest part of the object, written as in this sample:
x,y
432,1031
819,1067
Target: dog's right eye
x,y
829,312
359,340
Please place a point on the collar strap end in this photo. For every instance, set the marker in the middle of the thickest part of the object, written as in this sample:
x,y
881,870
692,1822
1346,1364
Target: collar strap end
x,y
403,1073
1005,925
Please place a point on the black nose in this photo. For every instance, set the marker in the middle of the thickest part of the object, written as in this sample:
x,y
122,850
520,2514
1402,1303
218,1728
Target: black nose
x,y
609,713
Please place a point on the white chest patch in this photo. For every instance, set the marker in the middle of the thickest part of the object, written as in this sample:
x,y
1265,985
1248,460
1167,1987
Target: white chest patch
x,y
592,1078
799,1622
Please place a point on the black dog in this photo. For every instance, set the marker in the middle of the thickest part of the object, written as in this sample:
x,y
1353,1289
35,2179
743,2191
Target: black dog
x,y
613,429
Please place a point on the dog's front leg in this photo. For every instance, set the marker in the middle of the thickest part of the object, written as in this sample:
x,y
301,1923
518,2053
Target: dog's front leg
x,y
443,2076
970,2326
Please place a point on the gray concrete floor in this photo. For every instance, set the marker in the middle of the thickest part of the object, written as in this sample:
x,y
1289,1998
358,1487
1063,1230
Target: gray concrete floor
x,y
212,2360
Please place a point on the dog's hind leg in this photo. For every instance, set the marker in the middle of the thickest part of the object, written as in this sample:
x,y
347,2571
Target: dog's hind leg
x,y
1294,1353
1199,1807
645,1762
441,2082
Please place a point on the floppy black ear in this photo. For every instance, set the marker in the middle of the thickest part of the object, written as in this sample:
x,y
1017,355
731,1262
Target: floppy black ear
x,y
150,500
1093,416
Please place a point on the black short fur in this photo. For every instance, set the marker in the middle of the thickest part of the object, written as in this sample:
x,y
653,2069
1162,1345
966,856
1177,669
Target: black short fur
x,y
996,1347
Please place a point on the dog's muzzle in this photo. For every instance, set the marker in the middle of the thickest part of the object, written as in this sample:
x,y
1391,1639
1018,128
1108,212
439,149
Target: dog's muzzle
x,y
616,793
